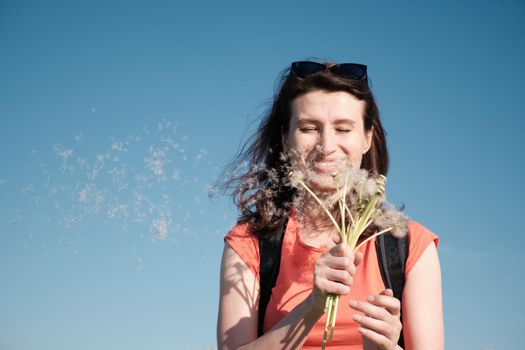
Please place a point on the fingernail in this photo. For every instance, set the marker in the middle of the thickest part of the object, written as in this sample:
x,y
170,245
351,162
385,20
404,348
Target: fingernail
x,y
361,330
353,303
357,317
371,298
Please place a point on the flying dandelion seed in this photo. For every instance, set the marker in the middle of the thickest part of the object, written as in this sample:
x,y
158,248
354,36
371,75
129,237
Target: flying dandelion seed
x,y
18,217
212,191
133,182
63,153
118,146
28,189
176,174
84,195
202,153
160,227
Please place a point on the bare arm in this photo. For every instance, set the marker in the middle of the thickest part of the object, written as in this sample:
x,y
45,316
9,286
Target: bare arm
x,y
422,314
239,298
422,304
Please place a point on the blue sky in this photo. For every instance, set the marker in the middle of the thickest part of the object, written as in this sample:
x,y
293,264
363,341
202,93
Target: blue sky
x,y
116,117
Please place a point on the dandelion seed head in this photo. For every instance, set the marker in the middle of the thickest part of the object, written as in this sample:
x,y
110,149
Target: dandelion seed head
x,y
370,187
390,216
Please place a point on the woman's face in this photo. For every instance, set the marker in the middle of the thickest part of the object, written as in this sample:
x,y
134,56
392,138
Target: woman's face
x,y
327,133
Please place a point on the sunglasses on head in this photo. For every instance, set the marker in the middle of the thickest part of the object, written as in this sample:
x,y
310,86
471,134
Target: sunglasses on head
x,y
346,70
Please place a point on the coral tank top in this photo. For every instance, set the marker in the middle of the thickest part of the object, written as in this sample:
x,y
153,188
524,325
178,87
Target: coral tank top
x,y
295,279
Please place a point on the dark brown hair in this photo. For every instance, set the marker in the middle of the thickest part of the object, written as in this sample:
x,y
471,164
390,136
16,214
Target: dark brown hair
x,y
258,186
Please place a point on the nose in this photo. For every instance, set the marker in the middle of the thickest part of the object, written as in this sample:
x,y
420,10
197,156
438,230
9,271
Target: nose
x,y
327,142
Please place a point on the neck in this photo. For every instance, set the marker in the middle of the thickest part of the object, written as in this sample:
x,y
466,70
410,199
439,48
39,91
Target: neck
x,y
313,218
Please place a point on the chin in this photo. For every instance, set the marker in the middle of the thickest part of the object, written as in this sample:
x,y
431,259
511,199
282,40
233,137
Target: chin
x,y
322,184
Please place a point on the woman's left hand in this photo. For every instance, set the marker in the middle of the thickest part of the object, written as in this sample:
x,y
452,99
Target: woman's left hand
x,y
380,324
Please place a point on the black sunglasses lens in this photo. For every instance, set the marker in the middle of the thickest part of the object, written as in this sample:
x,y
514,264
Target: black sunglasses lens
x,y
350,70
302,69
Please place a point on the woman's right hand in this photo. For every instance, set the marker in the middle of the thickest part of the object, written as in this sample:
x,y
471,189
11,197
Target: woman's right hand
x,y
333,274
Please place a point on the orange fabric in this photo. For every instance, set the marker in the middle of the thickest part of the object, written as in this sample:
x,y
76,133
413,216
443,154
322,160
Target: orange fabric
x,y
295,279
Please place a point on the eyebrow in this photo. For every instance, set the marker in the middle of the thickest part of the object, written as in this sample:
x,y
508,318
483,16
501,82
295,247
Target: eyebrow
x,y
316,121
344,121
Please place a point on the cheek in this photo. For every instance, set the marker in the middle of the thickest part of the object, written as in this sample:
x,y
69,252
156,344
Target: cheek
x,y
356,160
301,143
354,150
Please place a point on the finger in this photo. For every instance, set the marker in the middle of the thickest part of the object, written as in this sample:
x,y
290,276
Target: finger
x,y
376,338
324,274
342,250
377,326
340,263
390,303
341,276
370,310
330,287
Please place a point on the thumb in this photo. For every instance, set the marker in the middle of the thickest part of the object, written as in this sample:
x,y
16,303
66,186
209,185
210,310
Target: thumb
x,y
388,292
358,258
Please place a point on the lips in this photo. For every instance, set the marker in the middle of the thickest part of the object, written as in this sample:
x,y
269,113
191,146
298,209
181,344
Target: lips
x,y
326,165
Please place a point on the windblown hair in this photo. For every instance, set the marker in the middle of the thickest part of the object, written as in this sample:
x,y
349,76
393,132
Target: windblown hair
x,y
260,188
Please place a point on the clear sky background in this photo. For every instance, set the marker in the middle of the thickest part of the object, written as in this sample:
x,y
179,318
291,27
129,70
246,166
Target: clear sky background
x,y
116,116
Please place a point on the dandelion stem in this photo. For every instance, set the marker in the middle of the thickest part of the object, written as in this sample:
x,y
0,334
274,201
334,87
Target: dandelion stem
x,y
342,233
349,212
342,210
364,214
320,203
373,236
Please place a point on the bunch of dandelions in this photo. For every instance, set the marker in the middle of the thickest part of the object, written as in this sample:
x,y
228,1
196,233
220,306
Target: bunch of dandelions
x,y
360,200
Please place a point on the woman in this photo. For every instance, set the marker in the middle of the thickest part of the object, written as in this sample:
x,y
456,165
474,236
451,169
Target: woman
x,y
324,116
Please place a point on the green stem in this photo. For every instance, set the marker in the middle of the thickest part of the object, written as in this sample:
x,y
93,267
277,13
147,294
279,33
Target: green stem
x,y
373,236
320,203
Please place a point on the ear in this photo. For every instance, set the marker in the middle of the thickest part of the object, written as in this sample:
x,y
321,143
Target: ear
x,y
368,139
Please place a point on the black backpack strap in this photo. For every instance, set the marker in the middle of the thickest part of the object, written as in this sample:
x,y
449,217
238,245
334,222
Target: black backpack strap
x,y
270,261
392,255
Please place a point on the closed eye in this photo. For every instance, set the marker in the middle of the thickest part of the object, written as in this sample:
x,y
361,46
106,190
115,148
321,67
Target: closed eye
x,y
308,129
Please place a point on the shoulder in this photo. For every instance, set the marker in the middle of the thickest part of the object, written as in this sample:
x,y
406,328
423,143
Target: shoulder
x,y
417,232
419,238
246,245
422,300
